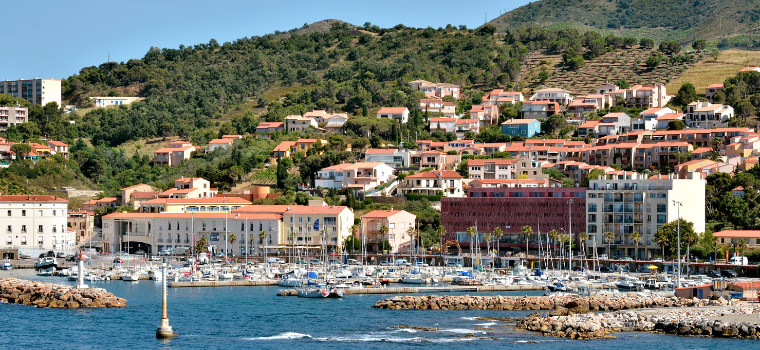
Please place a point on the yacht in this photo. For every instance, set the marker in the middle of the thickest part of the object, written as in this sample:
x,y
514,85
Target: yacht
x,y
319,291
156,275
131,277
45,263
556,287
290,282
6,265
629,283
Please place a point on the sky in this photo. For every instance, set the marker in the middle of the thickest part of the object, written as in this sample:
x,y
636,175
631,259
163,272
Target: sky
x,y
55,39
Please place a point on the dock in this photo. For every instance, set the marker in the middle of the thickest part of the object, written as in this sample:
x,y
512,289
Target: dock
x,y
432,289
222,284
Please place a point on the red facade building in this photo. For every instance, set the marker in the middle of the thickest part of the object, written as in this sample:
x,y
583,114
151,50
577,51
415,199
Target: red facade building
x,y
542,208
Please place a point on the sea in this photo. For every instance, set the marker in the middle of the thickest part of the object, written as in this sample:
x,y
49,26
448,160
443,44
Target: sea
x,y
256,318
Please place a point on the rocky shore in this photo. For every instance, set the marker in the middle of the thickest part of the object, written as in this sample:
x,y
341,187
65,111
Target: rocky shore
x,y
573,304
684,323
18,291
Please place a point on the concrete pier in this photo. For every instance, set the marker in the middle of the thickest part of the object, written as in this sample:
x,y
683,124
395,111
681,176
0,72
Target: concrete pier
x,y
433,289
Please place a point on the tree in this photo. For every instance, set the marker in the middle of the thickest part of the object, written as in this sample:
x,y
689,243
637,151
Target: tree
x,y
262,235
646,43
487,29
686,94
232,238
654,61
526,231
553,236
668,233
699,45
670,47
21,150
353,243
201,244
608,236
714,54
440,232
383,232
497,233
662,242
676,125
571,59
594,174
282,171
743,108
167,129
553,124
583,237
471,233
623,84
716,143
636,237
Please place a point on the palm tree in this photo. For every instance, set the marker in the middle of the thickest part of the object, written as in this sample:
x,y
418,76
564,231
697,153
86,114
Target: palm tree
x,y
636,237
553,235
200,244
471,233
609,236
488,238
383,232
526,231
583,237
497,233
742,245
232,239
716,143
662,242
440,231
262,235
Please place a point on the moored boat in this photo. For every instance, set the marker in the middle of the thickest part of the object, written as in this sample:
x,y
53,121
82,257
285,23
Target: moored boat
x,y
6,265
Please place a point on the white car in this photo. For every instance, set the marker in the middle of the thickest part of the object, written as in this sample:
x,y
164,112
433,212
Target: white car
x,y
155,258
315,262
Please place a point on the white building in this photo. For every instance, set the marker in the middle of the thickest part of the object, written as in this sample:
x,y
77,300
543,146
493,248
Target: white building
x,y
626,206
12,116
362,176
706,115
398,113
37,91
35,224
648,120
437,182
560,96
102,102
391,156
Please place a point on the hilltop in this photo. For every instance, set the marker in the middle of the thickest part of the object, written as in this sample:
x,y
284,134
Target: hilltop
x,y
684,21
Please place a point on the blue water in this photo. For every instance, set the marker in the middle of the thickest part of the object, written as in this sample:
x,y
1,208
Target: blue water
x,y
254,317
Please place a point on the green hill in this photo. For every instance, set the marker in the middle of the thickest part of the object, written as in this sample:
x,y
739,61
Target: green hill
x,y
680,20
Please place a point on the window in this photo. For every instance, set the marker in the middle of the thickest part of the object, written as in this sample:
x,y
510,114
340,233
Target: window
x,y
23,213
592,208
661,208
392,225
39,229
53,212
661,219
242,226
591,217
23,240
39,213
10,240
39,240
592,228
9,213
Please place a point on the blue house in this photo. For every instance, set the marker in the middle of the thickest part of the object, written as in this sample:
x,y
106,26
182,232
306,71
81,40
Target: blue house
x,y
521,127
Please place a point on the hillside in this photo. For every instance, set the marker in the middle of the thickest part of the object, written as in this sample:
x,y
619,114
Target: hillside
x,y
680,20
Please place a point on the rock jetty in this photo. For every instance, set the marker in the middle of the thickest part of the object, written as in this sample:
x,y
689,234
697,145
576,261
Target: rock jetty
x,y
18,291
684,323
573,304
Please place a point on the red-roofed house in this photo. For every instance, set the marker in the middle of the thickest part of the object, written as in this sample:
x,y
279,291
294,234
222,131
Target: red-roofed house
x,y
437,182
270,127
127,192
560,96
431,105
665,119
219,143
398,223
589,128
435,89
397,113
443,124
391,156
539,109
174,153
491,168
711,89
749,69
58,147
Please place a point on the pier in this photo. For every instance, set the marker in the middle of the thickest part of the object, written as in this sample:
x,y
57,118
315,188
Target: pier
x,y
432,289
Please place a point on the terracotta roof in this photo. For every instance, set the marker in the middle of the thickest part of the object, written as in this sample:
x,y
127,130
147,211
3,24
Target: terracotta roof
x,y
670,116
262,209
212,200
737,234
518,121
381,151
284,146
382,213
203,215
226,141
481,162
144,195
715,86
392,110
30,198
58,143
435,120
315,210
589,124
435,174
271,125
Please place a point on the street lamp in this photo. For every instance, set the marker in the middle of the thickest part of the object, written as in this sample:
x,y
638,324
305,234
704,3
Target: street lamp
x,y
570,232
678,206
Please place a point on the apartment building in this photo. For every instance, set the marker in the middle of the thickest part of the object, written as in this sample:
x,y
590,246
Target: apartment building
x,y
393,157
174,153
398,223
491,168
613,124
431,105
706,115
297,123
589,103
12,116
539,109
560,96
83,224
435,89
663,121
437,182
34,224
315,225
637,96
521,127
486,113
187,205
37,91
626,206
358,176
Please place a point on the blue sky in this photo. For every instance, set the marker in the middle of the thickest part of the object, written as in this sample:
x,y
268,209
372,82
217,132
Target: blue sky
x,y
57,38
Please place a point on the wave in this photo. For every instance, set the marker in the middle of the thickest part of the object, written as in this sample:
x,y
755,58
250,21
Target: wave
x,y
462,330
375,338
406,330
470,318
283,336
488,324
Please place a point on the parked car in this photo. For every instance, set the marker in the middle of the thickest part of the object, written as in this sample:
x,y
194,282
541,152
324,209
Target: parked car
x,y
155,258
602,256
334,262
421,264
275,261
118,260
579,268
24,256
728,273
605,269
386,263
453,264
315,262
165,252
353,262
61,255
713,274
626,258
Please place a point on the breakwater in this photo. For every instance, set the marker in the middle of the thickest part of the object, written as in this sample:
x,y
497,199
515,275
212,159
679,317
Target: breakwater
x,y
574,304
18,291
683,323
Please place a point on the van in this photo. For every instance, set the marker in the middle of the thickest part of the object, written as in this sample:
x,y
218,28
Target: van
x,y
738,260
402,262
352,262
275,261
202,258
